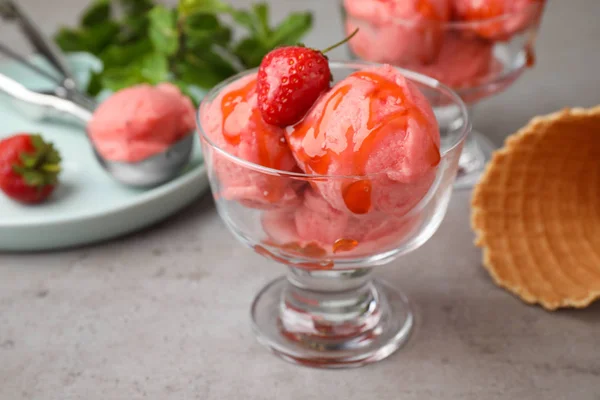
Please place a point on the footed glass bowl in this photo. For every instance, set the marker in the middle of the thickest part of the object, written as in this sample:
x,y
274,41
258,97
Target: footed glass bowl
x,y
476,58
329,311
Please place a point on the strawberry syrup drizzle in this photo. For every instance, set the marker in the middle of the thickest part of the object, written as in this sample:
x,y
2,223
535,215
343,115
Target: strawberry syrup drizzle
x,y
228,104
341,245
426,9
261,131
309,250
484,10
357,194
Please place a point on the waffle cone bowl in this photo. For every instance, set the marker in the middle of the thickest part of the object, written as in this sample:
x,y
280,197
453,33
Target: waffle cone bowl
x,y
536,211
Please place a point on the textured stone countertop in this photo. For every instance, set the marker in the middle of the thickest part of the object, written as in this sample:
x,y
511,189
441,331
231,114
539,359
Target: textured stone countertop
x,y
164,313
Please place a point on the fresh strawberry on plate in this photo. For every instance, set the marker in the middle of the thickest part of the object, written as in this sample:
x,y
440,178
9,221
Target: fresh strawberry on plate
x,y
29,168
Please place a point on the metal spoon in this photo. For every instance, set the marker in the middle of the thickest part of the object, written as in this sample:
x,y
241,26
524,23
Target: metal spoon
x,y
149,172
11,10
59,90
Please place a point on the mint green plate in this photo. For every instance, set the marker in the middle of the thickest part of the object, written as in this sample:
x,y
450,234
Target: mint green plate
x,y
88,205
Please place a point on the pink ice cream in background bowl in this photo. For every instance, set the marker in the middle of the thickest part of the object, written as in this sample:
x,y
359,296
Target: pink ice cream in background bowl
x,y
477,47
383,39
463,43
364,178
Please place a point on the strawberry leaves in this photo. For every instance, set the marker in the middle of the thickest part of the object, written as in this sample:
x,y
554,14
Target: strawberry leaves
x,y
40,167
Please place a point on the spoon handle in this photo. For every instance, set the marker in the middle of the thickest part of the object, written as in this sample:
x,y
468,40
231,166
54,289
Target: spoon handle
x,y
42,44
41,106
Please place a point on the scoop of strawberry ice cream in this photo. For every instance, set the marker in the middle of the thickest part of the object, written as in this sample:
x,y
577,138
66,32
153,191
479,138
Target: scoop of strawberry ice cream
x,y
396,31
497,19
315,224
462,62
383,11
233,123
141,121
376,128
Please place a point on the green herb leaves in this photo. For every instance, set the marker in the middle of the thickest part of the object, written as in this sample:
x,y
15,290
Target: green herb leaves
x,y
163,30
189,7
189,45
262,38
98,12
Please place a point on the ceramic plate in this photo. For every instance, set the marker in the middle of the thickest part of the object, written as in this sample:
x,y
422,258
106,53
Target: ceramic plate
x,y
88,206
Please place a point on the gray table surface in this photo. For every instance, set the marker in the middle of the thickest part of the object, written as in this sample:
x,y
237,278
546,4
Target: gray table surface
x,y
163,314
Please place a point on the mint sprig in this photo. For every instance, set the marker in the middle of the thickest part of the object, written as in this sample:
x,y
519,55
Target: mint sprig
x,y
190,45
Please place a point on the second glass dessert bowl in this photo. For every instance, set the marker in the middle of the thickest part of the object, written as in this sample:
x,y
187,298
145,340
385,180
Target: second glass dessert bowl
x,y
477,57
329,311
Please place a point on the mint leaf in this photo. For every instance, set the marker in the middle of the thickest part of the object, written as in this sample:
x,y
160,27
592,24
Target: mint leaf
x,y
245,19
99,36
91,39
121,78
136,7
219,63
203,30
188,7
262,37
154,68
255,20
251,52
70,40
95,84
203,77
134,27
120,55
97,13
291,29
261,13
201,21
197,71
163,31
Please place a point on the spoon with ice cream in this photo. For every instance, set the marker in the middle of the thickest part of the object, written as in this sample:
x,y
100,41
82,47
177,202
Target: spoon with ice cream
x,y
142,135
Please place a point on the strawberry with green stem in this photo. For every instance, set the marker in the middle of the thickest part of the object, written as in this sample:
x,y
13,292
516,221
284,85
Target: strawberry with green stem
x,y
290,80
29,168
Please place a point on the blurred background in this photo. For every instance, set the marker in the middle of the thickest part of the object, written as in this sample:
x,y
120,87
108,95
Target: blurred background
x,y
566,73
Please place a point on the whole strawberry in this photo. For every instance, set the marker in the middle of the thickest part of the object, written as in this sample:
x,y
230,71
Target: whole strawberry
x,y
290,80
29,168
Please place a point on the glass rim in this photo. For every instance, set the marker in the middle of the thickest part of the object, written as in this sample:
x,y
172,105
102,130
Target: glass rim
x,y
470,24
411,75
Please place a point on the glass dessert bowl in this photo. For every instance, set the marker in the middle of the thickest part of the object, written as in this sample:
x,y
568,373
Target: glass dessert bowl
x,y
330,230
476,47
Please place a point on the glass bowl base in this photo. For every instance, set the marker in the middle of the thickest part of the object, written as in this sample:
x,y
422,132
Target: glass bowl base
x,y
476,153
334,347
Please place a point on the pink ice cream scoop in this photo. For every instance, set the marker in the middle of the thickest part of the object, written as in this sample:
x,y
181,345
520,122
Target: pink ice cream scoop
x,y
377,129
141,121
315,224
462,61
396,31
497,19
234,123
